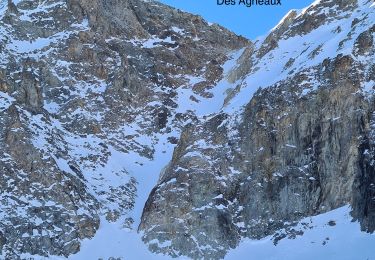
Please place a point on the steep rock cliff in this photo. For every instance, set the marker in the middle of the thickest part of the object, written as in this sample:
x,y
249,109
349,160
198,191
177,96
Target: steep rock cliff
x,y
294,139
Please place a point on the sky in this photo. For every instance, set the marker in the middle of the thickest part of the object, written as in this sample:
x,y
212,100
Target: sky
x,y
250,22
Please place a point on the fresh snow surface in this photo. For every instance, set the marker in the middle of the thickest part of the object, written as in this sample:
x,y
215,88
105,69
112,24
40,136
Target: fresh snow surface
x,y
203,106
344,241
320,240
112,240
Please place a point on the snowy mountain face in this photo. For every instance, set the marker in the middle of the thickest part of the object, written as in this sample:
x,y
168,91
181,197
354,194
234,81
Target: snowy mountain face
x,y
90,103
293,139
113,108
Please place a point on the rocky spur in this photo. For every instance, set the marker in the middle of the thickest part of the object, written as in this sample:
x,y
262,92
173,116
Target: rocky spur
x,y
249,3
